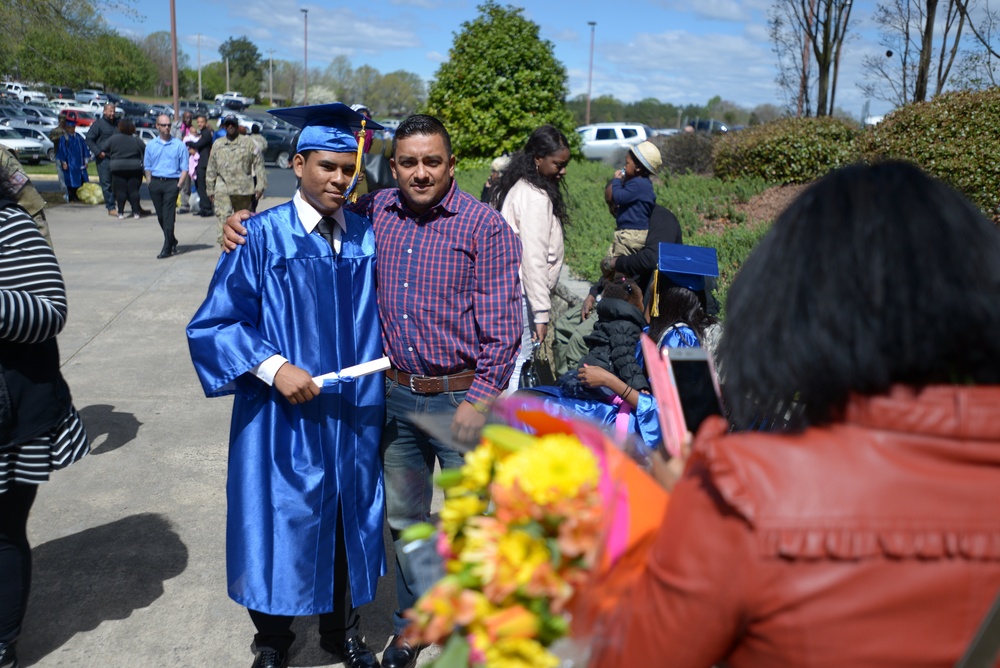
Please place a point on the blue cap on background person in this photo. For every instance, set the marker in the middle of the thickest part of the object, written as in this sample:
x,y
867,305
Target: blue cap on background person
x,y
326,127
687,266
683,266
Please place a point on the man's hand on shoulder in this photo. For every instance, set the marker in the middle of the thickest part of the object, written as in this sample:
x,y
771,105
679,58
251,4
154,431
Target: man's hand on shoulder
x,y
233,230
468,423
295,384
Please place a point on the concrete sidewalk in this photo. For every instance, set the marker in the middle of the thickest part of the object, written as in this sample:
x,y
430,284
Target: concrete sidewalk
x,y
129,544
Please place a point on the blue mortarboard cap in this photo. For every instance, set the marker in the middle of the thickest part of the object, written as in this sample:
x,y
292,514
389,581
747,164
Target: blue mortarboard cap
x,y
688,265
326,127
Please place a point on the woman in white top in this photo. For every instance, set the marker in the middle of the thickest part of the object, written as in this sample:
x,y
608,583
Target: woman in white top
x,y
529,197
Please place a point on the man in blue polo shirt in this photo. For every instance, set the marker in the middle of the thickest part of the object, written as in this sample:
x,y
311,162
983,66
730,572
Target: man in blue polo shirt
x,y
166,161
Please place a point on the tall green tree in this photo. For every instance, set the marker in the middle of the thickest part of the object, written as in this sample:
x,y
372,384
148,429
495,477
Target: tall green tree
x,y
244,56
158,49
500,82
121,65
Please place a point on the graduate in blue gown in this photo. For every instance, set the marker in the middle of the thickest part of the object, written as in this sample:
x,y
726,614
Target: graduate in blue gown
x,y
305,488
73,156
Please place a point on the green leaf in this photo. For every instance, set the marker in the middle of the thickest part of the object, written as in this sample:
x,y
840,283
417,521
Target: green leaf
x,y
455,654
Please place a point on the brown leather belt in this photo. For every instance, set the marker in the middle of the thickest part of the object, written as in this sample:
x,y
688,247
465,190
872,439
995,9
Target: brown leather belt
x,y
456,382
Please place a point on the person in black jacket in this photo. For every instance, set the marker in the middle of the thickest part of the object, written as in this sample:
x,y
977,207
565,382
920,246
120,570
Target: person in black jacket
x,y
569,345
125,154
99,133
612,343
204,148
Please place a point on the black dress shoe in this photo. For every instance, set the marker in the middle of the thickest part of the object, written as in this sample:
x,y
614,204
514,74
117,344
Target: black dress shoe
x,y
166,252
353,651
8,655
270,658
173,248
400,653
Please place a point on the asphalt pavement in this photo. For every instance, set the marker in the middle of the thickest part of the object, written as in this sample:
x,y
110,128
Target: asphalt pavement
x,y
129,543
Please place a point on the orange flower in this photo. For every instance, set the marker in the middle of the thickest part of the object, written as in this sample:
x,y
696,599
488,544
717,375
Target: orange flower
x,y
513,622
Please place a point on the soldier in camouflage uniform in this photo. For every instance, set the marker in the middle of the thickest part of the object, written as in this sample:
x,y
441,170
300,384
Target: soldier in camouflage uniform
x,y
27,196
229,178
261,143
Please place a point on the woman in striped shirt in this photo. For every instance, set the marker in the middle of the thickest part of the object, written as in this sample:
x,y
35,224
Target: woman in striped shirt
x,y
39,429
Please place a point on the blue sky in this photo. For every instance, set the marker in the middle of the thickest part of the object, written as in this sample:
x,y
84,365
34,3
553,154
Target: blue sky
x,y
679,51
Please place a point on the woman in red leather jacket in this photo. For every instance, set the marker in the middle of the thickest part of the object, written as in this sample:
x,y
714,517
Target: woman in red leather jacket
x,y
869,535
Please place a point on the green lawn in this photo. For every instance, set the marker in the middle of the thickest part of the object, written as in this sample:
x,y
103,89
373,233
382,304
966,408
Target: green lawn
x,y
692,198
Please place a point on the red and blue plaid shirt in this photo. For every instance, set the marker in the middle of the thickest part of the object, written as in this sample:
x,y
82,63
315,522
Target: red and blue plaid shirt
x,y
448,289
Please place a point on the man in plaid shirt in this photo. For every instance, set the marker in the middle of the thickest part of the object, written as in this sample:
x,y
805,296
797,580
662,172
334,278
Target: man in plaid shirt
x,y
450,306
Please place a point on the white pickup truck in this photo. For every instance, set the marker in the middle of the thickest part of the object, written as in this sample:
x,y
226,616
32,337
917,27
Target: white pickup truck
x,y
24,93
234,96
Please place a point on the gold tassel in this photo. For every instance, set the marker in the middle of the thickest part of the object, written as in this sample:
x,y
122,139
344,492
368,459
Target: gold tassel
x,y
654,301
351,195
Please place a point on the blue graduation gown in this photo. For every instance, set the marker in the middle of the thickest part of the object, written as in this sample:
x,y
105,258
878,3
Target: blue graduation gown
x,y
74,152
285,292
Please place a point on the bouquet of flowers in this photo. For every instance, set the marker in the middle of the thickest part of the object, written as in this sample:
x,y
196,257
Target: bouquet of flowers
x,y
524,528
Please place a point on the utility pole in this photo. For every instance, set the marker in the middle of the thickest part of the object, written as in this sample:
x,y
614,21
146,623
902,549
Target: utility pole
x,y
590,72
228,87
173,56
270,76
305,47
199,67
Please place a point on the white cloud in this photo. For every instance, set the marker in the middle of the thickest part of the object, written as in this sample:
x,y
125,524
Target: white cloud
x,y
436,56
720,10
561,35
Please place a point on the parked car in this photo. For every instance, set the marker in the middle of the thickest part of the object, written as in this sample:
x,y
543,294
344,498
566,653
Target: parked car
x,y
61,93
42,137
27,151
144,122
157,109
82,118
88,94
194,107
130,108
44,115
605,141
280,148
8,114
63,104
666,132
708,125
215,110
234,95
234,104
25,93
146,134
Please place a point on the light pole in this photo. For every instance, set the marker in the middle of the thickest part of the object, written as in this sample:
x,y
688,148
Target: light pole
x,y
270,76
173,55
199,68
590,72
305,52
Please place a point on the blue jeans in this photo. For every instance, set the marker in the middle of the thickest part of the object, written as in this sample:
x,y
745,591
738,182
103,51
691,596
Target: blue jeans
x,y
104,176
408,456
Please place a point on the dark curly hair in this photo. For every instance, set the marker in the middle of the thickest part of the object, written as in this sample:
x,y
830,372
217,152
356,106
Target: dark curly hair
x,y
676,305
543,142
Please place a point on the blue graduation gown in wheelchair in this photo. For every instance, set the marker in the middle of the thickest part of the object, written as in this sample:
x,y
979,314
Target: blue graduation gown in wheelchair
x,y
290,466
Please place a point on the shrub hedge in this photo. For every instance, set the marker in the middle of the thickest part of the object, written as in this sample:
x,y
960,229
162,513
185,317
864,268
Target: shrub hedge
x,y
791,150
686,152
953,137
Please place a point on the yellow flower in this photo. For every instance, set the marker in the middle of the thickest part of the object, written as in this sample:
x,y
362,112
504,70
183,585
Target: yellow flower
x,y
503,559
555,467
519,653
457,509
477,472
513,622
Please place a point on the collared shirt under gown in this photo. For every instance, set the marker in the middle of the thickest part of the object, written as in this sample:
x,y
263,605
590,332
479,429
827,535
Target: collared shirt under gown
x,y
286,292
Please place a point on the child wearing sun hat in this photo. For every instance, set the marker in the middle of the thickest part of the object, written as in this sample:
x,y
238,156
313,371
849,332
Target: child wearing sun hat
x,y
632,194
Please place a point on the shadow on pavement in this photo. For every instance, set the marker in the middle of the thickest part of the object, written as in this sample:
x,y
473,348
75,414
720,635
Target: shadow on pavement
x,y
189,248
118,428
102,573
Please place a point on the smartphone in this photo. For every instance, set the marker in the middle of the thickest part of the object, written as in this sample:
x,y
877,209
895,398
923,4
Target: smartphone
x,y
697,385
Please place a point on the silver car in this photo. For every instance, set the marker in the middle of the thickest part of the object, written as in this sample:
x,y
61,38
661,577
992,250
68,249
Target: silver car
x,y
608,141
27,151
48,148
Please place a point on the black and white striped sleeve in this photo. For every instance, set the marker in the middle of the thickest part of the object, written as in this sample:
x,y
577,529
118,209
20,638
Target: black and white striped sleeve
x,y
32,292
